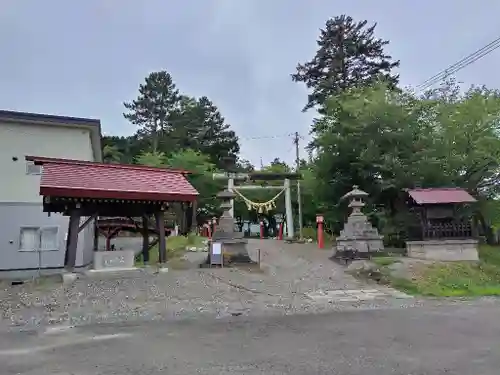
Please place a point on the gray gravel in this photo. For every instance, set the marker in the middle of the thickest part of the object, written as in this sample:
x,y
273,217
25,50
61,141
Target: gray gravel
x,y
290,273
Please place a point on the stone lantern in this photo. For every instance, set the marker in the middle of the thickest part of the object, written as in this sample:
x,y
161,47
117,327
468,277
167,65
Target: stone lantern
x,y
358,236
234,246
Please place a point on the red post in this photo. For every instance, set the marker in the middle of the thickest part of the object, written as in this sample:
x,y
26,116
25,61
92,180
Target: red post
x,y
214,221
280,232
261,230
319,221
209,231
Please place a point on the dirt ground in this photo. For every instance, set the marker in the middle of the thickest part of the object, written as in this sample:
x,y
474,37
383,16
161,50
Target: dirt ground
x,y
293,278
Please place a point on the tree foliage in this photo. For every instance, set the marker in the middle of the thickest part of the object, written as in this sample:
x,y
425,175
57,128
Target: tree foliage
x,y
168,122
349,55
385,141
158,97
368,132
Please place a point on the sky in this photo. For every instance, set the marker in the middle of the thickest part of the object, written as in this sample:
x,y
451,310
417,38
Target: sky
x,y
85,58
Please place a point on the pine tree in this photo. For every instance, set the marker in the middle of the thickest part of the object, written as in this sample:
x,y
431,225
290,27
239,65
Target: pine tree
x,y
348,55
158,96
199,125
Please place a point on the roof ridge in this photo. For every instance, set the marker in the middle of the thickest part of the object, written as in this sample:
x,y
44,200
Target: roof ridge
x,y
437,188
47,160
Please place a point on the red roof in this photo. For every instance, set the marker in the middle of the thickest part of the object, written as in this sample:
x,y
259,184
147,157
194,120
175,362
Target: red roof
x,y
83,179
440,196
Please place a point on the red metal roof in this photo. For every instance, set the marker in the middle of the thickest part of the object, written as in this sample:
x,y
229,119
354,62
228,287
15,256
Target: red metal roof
x,y
82,179
440,196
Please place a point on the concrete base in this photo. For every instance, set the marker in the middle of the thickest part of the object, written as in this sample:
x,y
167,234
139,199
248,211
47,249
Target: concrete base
x,y
444,250
114,260
361,245
69,278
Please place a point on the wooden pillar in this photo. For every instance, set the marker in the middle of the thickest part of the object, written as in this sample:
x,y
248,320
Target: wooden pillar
x,y
108,241
194,221
162,243
184,228
96,235
72,240
145,238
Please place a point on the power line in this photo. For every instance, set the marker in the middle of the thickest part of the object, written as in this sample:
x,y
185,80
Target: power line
x,y
465,59
264,137
459,65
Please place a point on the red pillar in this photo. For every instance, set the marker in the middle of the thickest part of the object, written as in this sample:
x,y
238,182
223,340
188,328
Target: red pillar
x,y
319,221
280,232
214,222
261,230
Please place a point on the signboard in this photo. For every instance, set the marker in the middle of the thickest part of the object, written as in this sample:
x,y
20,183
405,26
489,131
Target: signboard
x,y
109,260
216,257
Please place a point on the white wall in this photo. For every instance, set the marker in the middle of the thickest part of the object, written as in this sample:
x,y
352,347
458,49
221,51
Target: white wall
x,y
19,140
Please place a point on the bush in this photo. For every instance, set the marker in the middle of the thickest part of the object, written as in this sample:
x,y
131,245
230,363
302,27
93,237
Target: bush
x,y
310,232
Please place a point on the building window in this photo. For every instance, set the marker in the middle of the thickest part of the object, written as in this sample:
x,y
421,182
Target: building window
x,y
29,239
33,169
35,239
49,238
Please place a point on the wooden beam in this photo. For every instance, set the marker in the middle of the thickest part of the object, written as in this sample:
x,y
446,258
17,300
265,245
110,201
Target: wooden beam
x,y
152,243
134,222
257,187
145,238
194,222
96,236
162,243
227,176
184,222
86,222
72,240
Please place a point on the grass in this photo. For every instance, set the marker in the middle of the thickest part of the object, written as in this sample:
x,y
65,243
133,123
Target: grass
x,y
385,261
450,279
176,248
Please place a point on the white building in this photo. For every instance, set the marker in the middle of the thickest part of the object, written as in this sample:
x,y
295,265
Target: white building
x,y
30,239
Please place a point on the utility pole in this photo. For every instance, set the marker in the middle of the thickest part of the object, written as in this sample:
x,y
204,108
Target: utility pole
x,y
297,166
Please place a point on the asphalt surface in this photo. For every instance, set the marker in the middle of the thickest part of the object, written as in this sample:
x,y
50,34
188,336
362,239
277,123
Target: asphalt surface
x,y
459,339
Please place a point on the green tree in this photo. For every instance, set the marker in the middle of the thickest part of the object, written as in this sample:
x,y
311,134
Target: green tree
x,y
158,96
123,149
111,154
201,172
385,140
151,159
349,55
244,165
199,125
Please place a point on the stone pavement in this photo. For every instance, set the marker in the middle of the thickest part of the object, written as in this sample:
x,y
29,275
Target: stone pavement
x,y
295,279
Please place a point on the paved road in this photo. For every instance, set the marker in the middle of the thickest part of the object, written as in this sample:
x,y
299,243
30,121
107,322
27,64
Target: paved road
x,y
458,340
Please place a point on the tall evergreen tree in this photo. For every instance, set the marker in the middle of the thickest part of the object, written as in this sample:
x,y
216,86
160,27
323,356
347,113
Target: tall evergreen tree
x,y
158,96
348,55
199,125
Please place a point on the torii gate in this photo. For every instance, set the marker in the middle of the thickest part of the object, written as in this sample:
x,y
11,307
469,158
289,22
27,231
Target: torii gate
x,y
264,176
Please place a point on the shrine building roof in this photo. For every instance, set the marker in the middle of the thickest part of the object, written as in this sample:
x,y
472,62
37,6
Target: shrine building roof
x,y
440,196
84,179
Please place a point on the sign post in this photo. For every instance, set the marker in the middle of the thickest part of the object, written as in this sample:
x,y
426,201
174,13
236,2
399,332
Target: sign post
x,y
319,221
216,257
